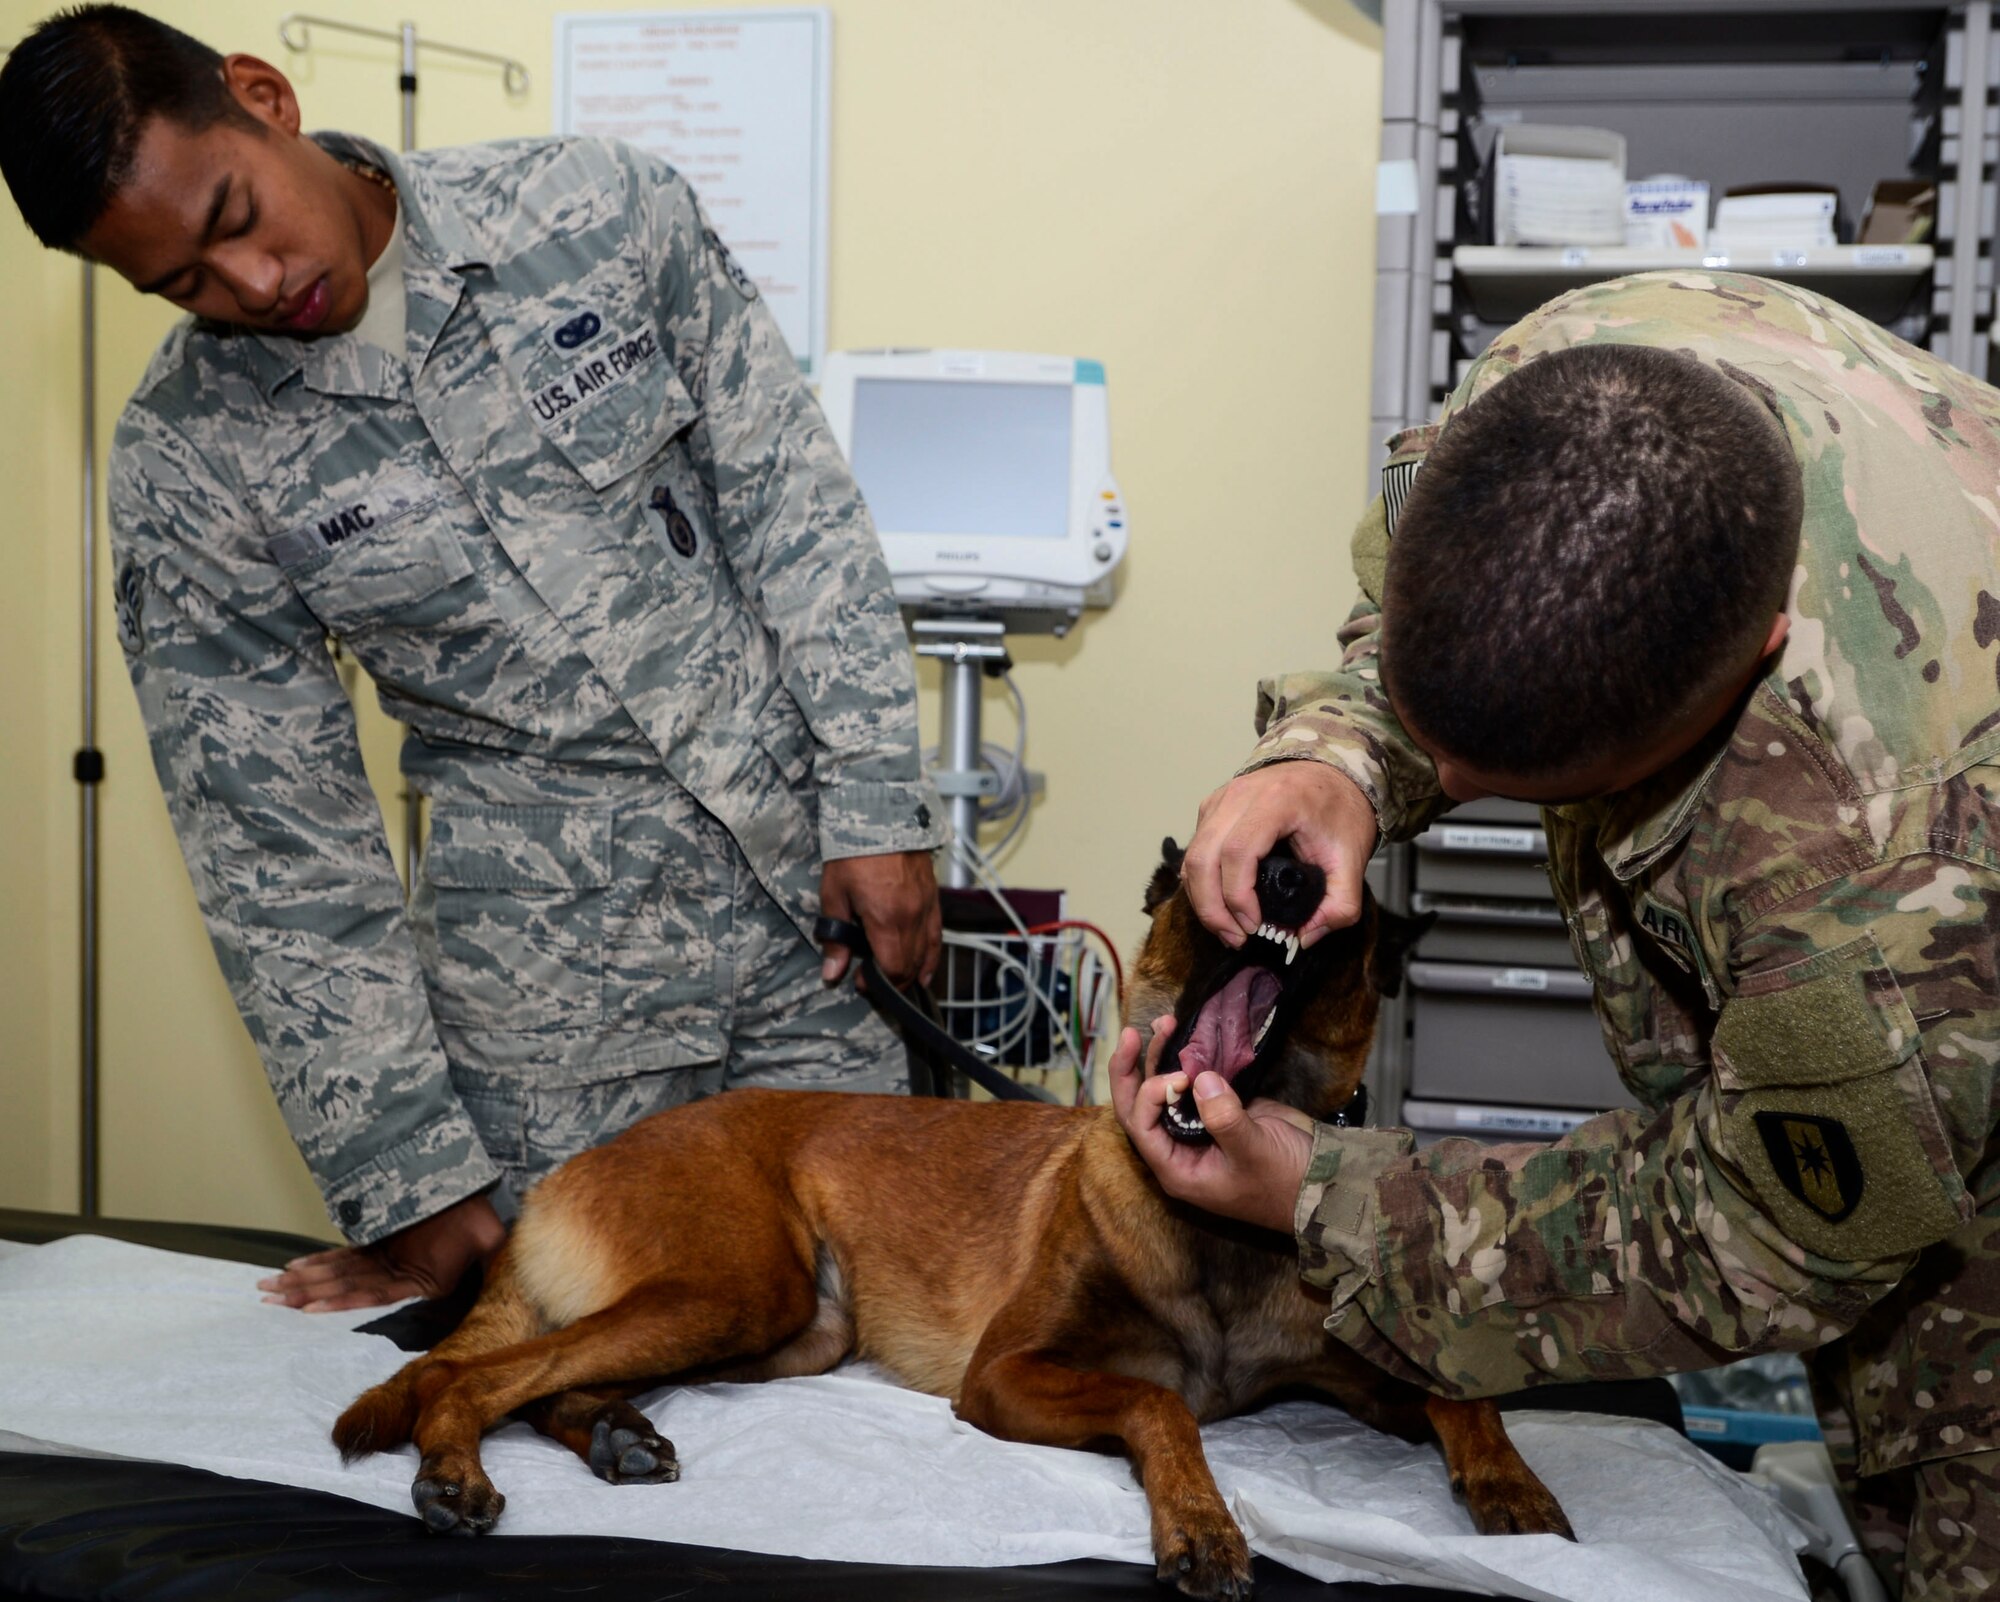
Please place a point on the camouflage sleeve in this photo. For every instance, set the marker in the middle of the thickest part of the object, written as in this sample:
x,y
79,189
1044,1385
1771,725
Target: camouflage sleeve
x,y
1850,1087
256,749
1343,718
794,530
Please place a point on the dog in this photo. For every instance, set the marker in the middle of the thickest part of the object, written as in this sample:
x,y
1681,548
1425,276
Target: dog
x,y
1015,1257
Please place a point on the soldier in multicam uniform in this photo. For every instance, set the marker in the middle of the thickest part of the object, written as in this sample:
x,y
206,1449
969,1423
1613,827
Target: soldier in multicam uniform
x,y
548,471
1785,890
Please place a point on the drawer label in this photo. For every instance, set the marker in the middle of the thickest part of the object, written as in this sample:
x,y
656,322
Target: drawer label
x,y
1478,837
1521,979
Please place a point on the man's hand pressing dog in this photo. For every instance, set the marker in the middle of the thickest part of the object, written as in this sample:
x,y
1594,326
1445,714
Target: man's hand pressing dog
x,y
427,1259
1317,809
1257,1163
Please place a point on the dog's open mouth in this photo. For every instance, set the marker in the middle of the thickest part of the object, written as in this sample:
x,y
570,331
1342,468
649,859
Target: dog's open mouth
x,y
1234,1029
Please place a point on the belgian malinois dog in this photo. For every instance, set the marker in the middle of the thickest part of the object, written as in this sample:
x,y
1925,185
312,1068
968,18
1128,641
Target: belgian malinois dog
x,y
1015,1257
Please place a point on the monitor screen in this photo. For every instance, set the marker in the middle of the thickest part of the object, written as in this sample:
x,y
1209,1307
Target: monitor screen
x,y
937,456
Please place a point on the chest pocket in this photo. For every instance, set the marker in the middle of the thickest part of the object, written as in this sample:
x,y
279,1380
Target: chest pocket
x,y
384,567
373,557
610,405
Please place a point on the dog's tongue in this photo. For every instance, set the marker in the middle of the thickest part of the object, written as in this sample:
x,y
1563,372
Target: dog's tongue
x,y
1224,1036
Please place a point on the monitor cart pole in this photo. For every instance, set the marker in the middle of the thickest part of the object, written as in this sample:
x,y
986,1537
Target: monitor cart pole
x,y
968,649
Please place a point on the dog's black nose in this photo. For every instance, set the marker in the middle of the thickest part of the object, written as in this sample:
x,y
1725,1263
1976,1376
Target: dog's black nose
x,y
1288,891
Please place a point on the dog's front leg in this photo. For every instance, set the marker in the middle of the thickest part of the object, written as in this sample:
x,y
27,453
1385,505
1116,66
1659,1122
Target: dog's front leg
x,y
1022,1396
1501,1492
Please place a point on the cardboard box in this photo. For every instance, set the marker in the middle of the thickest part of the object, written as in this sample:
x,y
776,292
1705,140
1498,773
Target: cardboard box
x,y
1901,211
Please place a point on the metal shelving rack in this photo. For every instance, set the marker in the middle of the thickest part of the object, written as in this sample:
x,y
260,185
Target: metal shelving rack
x,y
1731,91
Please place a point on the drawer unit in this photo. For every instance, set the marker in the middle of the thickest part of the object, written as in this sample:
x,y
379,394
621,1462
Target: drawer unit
x,y
1512,1035
1508,934
1440,1120
1463,857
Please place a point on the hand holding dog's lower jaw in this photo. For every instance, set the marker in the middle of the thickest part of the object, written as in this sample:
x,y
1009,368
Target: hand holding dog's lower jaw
x,y
1321,812
427,1259
1257,1163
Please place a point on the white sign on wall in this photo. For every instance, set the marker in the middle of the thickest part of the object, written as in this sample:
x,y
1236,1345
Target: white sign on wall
x,y
738,102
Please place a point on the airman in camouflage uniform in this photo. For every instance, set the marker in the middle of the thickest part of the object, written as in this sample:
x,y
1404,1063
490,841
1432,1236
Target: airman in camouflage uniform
x,y
1795,946
590,537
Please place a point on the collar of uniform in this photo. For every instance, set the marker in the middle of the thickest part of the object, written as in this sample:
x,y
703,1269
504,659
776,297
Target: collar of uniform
x,y
438,246
435,228
1636,827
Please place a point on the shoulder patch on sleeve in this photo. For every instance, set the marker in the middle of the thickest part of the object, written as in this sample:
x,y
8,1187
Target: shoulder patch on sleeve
x,y
1827,1109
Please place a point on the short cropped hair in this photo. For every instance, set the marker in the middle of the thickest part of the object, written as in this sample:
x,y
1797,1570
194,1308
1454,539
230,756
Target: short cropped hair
x,y
74,98
1591,549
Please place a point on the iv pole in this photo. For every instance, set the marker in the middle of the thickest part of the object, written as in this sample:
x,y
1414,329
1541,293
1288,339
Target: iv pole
x,y
88,768
295,29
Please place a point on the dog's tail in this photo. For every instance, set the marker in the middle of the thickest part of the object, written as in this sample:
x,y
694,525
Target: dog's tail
x,y
385,1417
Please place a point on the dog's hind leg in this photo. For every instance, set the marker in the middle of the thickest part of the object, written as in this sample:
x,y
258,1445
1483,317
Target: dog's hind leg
x,y
1023,1396
383,1417
603,1428
657,1329
1501,1492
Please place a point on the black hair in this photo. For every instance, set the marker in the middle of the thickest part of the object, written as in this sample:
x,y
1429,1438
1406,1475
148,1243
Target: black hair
x,y
1591,549
74,97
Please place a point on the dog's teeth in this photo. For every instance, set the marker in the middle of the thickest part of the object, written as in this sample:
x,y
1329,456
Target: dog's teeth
x,y
1291,949
1263,1028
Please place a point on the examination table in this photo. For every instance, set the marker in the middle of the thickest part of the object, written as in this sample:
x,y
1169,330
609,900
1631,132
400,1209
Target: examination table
x,y
84,1526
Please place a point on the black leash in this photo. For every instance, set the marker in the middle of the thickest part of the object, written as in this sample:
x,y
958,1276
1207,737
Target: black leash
x,y
926,1030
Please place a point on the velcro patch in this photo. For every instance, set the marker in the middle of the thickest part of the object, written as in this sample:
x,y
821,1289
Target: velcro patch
x,y
1827,1112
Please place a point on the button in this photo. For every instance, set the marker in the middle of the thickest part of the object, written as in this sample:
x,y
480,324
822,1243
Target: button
x,y
1101,551
1110,495
1117,522
350,1213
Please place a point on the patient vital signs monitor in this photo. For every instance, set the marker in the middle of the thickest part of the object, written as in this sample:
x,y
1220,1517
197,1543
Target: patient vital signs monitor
x,y
989,477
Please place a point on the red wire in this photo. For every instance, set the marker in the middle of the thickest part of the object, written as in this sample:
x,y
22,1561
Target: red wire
x,y
1117,967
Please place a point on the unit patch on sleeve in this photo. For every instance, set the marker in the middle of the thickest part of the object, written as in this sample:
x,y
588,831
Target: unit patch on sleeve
x,y
1814,1159
746,286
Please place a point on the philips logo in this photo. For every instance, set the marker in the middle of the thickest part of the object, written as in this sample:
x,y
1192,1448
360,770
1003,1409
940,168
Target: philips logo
x,y
958,556
578,331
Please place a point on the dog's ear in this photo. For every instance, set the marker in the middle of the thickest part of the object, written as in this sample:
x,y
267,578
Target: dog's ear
x,y
1395,937
1166,877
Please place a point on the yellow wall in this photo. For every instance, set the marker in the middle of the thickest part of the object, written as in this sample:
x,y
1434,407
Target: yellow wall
x,y
1180,188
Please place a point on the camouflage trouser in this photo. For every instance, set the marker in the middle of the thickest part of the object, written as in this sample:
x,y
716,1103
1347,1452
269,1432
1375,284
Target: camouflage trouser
x,y
735,999
1932,1530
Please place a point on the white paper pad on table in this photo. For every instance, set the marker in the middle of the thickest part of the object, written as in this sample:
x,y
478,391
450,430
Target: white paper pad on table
x,y
147,1354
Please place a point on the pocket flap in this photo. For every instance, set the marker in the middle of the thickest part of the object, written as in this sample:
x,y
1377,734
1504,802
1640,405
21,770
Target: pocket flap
x,y
1836,1016
519,848
630,405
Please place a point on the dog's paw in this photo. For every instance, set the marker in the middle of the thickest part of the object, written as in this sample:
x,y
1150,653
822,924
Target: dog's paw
x,y
1513,1504
455,1501
628,1451
1205,1556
